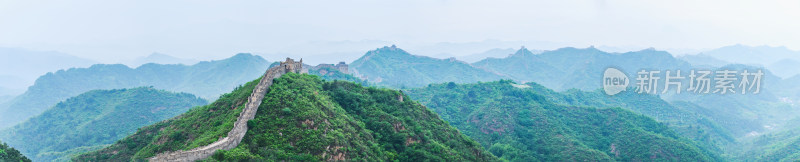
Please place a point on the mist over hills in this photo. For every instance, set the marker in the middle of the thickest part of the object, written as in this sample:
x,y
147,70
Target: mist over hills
x,y
19,68
780,60
569,67
726,121
207,79
559,69
400,81
744,54
785,68
703,61
158,58
492,53
707,127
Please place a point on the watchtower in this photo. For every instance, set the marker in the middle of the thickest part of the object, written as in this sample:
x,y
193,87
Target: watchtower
x,y
291,66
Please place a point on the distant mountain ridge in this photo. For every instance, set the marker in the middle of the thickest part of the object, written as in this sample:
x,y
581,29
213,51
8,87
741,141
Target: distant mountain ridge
x,y
395,67
716,122
559,69
19,68
779,59
492,53
569,67
743,54
159,58
207,79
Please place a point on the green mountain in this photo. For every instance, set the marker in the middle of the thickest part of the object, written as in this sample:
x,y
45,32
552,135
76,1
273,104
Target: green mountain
x,y
395,67
716,123
10,154
788,150
685,118
93,120
569,67
723,118
528,122
778,146
206,79
303,118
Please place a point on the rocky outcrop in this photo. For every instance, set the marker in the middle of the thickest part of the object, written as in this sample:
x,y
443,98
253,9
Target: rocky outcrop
x,y
240,126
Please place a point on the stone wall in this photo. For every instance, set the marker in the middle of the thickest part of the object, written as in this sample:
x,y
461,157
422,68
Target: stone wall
x,y
342,67
240,126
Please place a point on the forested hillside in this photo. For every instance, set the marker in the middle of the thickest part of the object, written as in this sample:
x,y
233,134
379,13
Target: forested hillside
x,y
10,154
521,123
93,120
779,146
304,118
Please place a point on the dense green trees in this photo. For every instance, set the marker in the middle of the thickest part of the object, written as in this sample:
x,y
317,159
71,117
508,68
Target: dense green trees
x,y
199,126
531,123
304,118
10,154
93,120
361,123
776,146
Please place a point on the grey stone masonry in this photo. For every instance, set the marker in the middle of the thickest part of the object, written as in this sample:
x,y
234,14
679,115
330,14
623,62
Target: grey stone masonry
x,y
240,126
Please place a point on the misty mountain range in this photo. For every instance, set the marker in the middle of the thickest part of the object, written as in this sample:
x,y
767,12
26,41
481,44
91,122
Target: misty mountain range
x,y
19,68
711,123
207,79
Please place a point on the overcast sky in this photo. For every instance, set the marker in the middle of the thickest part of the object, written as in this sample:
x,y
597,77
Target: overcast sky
x,y
106,30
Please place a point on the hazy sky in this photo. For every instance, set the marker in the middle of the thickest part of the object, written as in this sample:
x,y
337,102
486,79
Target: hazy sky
x,y
112,30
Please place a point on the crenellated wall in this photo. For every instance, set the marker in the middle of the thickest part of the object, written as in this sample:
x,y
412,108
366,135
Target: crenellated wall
x,y
240,126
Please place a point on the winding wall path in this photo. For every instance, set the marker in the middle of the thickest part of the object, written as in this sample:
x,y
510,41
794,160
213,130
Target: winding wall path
x,y
240,126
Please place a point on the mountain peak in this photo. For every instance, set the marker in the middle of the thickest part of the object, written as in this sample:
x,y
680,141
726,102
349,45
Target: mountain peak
x,y
590,49
393,50
243,55
522,52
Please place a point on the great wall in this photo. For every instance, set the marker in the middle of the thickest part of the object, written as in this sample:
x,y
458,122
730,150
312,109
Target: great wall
x,y
240,126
